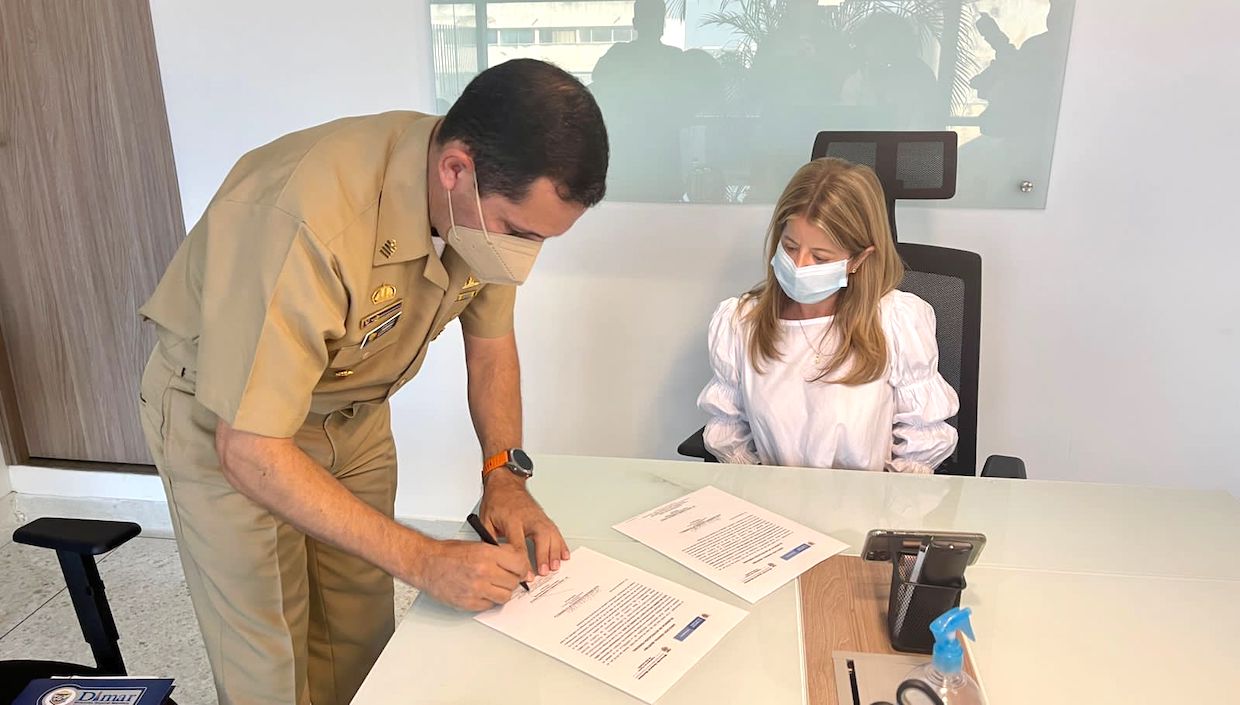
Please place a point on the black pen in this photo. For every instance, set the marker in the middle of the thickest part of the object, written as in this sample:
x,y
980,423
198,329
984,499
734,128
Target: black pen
x,y
486,536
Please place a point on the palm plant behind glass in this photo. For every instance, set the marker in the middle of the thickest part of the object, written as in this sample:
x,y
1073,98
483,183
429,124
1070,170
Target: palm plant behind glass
x,y
945,23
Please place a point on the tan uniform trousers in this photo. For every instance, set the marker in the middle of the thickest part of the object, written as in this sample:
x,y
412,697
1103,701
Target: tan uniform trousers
x,y
286,619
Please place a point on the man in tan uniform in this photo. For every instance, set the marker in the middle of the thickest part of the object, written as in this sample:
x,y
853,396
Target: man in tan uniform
x,y
301,301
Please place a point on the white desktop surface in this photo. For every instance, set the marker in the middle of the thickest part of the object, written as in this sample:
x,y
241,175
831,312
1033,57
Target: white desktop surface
x,y
1084,593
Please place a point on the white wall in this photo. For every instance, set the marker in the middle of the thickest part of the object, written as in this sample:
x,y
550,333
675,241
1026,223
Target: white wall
x,y
238,74
1112,322
6,484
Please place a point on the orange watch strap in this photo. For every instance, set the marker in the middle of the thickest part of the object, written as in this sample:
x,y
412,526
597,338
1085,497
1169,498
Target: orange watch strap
x,y
495,462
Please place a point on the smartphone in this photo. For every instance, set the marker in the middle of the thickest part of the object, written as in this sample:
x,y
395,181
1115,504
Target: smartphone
x,y
881,543
944,563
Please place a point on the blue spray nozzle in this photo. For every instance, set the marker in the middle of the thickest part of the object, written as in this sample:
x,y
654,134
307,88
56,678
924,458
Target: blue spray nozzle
x,y
948,653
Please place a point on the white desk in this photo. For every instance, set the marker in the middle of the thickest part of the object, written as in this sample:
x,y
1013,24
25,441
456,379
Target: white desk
x,y
1084,594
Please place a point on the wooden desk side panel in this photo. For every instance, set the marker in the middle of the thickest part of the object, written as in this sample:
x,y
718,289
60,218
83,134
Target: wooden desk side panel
x,y
843,608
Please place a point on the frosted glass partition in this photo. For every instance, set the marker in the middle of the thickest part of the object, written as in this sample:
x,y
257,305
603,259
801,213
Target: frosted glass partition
x,y
718,101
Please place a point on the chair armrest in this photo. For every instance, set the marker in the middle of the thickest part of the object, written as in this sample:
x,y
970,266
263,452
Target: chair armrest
x,y
85,536
1004,466
695,447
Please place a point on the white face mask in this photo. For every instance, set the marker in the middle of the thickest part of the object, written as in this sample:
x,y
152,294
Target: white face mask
x,y
493,258
811,284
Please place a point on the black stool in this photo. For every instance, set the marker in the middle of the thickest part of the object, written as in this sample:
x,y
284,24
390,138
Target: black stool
x,y
76,543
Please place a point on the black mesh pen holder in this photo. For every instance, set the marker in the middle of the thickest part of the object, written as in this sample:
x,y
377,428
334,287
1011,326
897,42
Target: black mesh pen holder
x,y
913,606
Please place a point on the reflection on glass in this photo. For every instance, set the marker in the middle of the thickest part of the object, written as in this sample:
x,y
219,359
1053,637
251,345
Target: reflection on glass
x,y
454,42
720,100
650,94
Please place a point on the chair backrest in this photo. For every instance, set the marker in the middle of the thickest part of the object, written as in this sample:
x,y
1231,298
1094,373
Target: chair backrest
x,y
917,165
951,282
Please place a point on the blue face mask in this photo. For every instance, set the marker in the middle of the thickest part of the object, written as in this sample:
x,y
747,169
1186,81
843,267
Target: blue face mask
x,y
811,284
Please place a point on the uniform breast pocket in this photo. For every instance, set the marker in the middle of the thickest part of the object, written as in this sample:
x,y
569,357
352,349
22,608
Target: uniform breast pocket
x,y
353,355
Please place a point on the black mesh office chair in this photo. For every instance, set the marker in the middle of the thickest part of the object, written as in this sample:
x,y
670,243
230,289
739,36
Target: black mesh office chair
x,y
951,282
76,542
922,165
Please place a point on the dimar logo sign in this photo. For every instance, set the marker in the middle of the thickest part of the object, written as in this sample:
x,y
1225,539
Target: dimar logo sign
x,y
71,695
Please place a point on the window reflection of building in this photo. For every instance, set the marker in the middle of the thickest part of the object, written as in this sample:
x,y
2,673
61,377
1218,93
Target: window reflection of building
x,y
572,35
515,36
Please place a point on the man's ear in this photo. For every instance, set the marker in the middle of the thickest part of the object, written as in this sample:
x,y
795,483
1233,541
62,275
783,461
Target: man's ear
x,y
455,164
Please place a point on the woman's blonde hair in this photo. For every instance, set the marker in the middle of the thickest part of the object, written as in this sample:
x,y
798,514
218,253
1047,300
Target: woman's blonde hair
x,y
846,202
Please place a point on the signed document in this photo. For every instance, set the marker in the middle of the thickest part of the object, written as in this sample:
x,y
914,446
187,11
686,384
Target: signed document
x,y
630,629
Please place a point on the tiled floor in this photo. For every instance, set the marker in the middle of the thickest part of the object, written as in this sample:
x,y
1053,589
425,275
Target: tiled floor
x,y
150,602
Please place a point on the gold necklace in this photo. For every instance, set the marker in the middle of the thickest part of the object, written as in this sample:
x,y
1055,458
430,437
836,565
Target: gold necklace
x,y
817,352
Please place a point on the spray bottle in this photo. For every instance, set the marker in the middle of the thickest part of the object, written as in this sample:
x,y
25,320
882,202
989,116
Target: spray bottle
x,y
944,676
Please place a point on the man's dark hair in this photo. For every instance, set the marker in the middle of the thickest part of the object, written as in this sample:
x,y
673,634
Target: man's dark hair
x,y
525,119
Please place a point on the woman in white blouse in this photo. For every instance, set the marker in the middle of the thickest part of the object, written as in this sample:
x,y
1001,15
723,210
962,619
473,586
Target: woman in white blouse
x,y
826,364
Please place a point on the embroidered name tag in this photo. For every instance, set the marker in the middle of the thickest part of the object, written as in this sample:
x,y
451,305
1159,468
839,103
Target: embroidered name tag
x,y
381,313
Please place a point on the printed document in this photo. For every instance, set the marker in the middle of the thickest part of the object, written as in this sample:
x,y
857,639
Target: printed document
x,y
624,626
739,545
